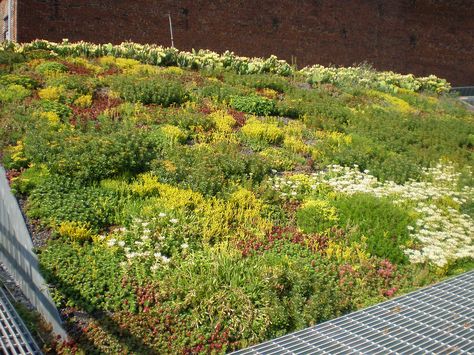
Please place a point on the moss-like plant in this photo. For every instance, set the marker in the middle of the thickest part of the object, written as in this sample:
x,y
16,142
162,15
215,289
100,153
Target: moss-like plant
x,y
47,68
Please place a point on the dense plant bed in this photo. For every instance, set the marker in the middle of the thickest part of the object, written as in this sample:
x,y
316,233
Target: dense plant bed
x,y
204,207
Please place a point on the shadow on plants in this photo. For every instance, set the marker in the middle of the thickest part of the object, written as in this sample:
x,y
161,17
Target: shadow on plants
x,y
98,296
112,331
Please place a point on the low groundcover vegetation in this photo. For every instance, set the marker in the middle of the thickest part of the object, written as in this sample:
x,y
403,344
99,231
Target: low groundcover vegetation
x,y
202,203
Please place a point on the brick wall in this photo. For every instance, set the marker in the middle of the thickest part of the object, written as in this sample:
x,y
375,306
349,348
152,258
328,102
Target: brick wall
x,y
416,36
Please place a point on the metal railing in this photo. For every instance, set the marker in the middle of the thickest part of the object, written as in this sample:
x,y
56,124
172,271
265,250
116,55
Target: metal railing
x,y
16,253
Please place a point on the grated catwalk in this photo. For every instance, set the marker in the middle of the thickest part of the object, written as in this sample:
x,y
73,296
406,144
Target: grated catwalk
x,y
438,319
14,336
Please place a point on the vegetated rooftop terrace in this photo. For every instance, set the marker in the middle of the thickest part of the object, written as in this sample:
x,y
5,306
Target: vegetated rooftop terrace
x,y
196,202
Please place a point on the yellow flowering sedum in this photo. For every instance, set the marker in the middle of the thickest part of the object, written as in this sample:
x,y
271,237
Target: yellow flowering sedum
x,y
173,134
263,132
76,231
83,101
53,93
52,118
223,121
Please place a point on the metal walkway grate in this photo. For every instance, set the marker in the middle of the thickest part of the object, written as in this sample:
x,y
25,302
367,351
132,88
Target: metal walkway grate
x,y
435,320
14,336
464,90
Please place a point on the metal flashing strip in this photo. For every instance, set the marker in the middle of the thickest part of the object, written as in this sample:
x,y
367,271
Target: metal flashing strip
x,y
464,90
438,319
14,336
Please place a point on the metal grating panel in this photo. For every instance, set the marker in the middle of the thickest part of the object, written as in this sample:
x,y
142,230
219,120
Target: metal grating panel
x,y
464,90
14,336
434,320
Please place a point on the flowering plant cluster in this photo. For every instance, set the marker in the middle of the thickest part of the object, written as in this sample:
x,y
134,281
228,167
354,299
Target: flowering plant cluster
x,y
144,242
442,232
206,59
158,55
367,77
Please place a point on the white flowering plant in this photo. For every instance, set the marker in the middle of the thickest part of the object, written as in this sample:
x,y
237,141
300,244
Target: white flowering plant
x,y
206,59
150,245
441,234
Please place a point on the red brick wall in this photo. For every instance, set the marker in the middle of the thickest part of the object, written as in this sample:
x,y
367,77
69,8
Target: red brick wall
x,y
408,36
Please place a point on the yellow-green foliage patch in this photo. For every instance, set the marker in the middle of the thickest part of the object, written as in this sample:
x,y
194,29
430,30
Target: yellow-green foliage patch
x,y
392,102
262,133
